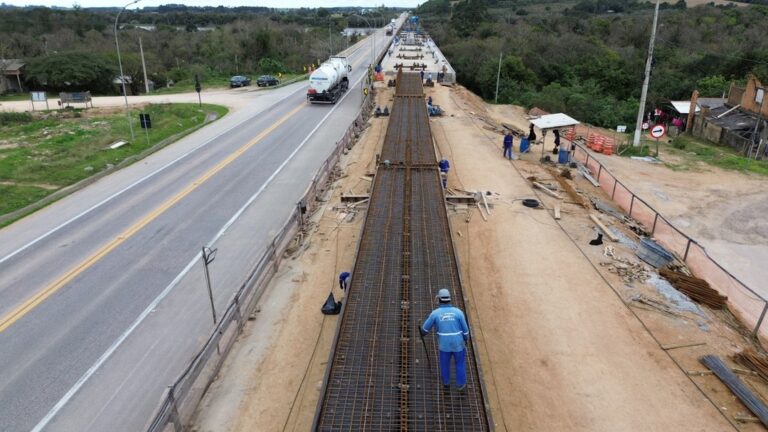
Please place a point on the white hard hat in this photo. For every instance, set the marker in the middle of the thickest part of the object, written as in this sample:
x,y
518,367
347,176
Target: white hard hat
x,y
444,295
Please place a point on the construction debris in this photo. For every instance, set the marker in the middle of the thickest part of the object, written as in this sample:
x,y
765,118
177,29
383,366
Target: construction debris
x,y
587,175
655,305
753,360
629,270
605,229
737,387
695,288
546,190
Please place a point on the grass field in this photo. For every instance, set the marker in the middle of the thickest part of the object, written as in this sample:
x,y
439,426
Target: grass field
x,y
44,153
694,150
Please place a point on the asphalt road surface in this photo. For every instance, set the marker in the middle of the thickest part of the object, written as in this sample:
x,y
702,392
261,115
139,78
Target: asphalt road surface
x,y
102,296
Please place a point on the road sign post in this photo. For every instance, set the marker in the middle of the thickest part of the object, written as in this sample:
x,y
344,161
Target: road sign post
x,y
198,88
146,124
657,132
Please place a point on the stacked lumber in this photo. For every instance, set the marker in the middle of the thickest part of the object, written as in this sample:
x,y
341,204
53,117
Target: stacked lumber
x,y
753,360
695,288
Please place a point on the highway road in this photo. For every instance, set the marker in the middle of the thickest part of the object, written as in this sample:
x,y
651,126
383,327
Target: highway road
x,y
102,296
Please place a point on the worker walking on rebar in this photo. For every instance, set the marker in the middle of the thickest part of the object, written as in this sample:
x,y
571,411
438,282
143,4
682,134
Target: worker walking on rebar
x,y
508,139
452,337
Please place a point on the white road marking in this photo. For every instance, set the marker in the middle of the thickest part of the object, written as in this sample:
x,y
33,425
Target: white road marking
x,y
119,341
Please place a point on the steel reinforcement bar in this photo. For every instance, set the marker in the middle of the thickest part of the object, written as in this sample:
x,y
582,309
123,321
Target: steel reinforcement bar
x,y
380,377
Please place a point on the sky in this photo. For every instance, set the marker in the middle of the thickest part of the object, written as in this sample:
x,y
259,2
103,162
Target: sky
x,y
229,3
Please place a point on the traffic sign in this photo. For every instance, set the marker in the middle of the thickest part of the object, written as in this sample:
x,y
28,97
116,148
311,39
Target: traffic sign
x,y
658,131
645,126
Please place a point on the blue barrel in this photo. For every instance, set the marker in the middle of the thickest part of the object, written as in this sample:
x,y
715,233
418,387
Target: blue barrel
x,y
524,145
563,156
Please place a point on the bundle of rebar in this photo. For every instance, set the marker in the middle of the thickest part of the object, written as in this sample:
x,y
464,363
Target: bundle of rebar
x,y
753,360
737,386
695,288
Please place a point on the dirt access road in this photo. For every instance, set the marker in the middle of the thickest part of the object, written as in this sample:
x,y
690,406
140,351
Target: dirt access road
x,y
561,343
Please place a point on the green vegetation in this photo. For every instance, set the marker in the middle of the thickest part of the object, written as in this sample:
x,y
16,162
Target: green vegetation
x,y
587,58
693,150
74,50
220,82
61,148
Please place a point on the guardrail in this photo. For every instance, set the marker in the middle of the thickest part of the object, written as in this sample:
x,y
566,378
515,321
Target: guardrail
x,y
749,306
180,400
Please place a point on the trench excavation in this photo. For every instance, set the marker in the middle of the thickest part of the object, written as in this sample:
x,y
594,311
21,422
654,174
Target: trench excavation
x,y
379,377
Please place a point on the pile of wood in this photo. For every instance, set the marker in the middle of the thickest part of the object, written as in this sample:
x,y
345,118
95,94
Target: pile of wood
x,y
753,360
695,288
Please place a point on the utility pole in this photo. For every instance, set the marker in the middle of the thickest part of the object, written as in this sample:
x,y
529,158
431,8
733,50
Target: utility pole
x,y
498,76
330,43
122,77
144,66
644,94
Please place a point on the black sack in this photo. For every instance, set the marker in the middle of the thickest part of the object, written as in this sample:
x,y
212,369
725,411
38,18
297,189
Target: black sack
x,y
331,306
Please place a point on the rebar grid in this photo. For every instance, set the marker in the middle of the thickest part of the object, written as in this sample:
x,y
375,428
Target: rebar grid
x,y
379,377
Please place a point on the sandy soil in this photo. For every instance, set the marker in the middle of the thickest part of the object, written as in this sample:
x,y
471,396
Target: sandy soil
x,y
272,380
571,355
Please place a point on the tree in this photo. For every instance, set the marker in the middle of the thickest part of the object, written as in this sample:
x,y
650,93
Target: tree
x,y
72,71
713,86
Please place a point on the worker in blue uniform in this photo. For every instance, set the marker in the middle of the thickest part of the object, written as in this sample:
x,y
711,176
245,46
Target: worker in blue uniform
x,y
508,138
343,278
452,336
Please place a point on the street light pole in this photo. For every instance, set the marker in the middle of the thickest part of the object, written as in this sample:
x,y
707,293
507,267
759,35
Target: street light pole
x,y
120,63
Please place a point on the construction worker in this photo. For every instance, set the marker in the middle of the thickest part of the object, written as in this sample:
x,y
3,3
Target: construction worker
x,y
343,278
452,337
508,140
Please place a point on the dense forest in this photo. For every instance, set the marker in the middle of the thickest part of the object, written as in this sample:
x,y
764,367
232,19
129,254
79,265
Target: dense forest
x,y
74,49
587,58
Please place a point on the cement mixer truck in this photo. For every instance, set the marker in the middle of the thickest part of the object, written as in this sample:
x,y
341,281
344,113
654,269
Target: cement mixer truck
x,y
328,82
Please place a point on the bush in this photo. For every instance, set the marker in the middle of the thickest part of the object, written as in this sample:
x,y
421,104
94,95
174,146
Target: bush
x,y
12,118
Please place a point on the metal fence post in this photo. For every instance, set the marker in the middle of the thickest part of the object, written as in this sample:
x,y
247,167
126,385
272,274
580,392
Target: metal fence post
x,y
655,219
760,321
599,170
615,182
687,248
631,205
175,418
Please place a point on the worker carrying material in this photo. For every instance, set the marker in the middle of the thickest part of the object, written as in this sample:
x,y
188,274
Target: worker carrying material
x,y
452,337
508,139
444,165
343,278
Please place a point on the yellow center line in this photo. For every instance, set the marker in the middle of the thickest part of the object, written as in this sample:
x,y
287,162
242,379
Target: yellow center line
x,y
15,315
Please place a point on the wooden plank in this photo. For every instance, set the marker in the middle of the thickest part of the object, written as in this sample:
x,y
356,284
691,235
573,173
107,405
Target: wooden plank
x,y
557,212
605,229
548,191
585,172
481,212
485,203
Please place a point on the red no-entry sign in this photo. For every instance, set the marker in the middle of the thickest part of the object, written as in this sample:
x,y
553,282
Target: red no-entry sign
x,y
658,131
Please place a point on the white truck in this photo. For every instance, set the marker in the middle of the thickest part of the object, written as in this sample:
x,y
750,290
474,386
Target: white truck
x,y
328,82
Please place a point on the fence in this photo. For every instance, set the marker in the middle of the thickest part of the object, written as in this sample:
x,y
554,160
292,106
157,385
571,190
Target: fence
x,y
749,306
180,400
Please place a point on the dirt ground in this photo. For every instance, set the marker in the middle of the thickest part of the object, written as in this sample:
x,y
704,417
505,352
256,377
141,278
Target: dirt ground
x,y
564,344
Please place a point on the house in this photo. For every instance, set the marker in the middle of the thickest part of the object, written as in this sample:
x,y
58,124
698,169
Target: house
x,y
740,122
10,76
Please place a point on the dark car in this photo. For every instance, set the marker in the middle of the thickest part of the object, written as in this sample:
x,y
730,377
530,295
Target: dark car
x,y
267,80
239,81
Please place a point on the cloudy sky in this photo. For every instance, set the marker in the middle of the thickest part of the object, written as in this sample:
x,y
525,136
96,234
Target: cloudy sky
x,y
267,3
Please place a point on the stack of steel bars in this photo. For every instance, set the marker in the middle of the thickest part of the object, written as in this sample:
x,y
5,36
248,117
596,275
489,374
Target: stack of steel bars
x,y
379,377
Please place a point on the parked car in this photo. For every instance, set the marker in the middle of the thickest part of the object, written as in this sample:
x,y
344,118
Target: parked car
x,y
267,80
239,81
